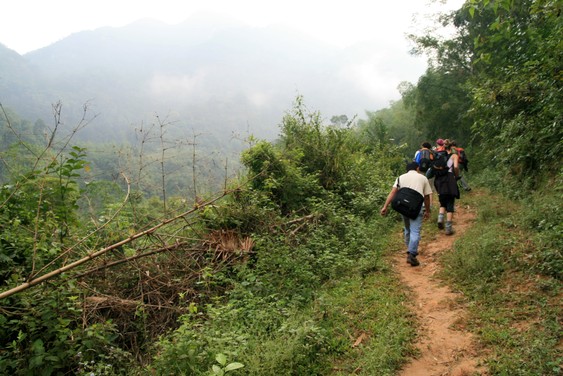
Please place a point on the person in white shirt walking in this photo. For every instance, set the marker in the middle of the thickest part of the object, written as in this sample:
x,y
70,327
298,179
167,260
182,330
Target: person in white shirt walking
x,y
415,180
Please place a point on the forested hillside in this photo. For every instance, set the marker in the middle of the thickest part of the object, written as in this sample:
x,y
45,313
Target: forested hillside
x,y
206,75
134,265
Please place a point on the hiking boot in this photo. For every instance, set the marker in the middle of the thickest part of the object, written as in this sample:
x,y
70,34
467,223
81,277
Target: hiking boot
x,y
411,259
440,221
449,228
467,189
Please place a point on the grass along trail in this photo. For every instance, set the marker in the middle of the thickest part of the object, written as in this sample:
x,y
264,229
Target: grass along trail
x,y
445,347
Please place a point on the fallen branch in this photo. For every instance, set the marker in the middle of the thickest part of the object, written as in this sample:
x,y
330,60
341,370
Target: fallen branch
x,y
128,259
114,215
92,256
301,219
110,302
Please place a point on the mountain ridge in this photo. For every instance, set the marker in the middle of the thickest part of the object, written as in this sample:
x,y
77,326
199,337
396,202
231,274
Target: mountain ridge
x,y
220,76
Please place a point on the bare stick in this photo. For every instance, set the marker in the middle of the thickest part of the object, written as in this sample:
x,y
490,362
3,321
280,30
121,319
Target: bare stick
x,y
93,255
194,144
162,170
67,251
140,255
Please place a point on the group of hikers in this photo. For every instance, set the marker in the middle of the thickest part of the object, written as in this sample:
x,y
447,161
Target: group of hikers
x,y
411,192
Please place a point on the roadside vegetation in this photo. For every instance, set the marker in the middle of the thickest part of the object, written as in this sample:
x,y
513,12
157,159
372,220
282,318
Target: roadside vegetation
x,y
508,266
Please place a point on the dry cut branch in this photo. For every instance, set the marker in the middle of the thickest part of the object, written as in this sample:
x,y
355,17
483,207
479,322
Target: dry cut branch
x,y
91,256
140,255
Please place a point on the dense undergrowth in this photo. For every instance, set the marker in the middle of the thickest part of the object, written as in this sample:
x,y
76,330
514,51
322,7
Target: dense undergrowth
x,y
236,284
282,274
276,317
509,267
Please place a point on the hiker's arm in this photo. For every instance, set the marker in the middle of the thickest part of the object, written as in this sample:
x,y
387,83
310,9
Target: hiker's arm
x,y
388,201
427,205
456,165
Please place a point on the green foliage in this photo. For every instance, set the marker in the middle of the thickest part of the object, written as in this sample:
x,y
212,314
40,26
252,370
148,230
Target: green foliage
x,y
397,121
325,152
264,323
440,102
547,256
539,212
287,345
369,310
44,204
42,331
497,265
497,83
223,367
246,211
517,92
43,334
279,178
481,258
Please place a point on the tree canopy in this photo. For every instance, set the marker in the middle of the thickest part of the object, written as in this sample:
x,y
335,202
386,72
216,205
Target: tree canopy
x,y
497,83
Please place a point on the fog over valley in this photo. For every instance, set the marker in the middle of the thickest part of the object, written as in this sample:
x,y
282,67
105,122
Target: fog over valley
x,y
206,74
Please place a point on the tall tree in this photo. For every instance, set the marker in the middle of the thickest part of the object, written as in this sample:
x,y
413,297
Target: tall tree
x,y
497,79
517,88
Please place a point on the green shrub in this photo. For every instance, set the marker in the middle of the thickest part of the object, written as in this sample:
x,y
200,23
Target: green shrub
x,y
496,264
480,257
542,215
261,334
43,334
279,178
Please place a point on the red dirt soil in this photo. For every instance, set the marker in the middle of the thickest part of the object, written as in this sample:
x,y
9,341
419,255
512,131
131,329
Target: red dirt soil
x,y
445,346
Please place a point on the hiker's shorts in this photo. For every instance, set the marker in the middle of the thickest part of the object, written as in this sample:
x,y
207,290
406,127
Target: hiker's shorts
x,y
447,201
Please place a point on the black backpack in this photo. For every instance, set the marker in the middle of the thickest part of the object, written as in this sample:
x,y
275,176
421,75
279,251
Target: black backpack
x,y
462,155
407,201
440,164
424,158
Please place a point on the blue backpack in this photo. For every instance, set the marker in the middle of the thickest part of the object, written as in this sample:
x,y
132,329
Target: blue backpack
x,y
424,158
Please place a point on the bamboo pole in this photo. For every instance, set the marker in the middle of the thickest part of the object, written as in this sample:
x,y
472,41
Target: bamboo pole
x,y
91,256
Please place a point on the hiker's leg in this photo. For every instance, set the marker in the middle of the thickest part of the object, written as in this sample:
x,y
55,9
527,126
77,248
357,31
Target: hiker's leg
x,y
464,184
442,212
450,208
415,226
406,230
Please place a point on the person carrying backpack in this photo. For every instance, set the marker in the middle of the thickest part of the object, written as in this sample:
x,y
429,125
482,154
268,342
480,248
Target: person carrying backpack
x,y
463,162
424,157
413,183
439,146
439,155
446,186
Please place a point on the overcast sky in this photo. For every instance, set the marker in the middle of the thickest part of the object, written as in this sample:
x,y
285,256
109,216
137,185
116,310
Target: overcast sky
x,y
26,25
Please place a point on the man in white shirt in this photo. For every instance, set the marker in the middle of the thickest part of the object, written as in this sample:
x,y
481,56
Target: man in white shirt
x,y
414,180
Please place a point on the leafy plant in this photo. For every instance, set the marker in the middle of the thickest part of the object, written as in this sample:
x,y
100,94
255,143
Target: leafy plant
x,y
222,368
514,308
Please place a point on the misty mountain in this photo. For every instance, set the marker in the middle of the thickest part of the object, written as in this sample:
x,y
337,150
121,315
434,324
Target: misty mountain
x,y
203,75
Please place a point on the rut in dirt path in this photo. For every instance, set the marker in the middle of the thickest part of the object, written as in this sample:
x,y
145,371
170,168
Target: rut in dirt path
x,y
445,347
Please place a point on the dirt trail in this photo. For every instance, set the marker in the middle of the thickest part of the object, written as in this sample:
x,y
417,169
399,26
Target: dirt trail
x,y
445,347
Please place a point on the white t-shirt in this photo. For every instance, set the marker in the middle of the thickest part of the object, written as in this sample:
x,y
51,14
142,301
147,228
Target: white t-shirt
x,y
414,180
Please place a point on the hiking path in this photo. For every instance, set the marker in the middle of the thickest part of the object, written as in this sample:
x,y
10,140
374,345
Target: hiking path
x,y
445,347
